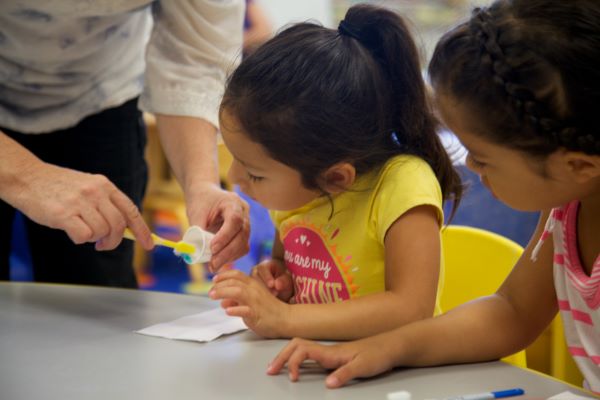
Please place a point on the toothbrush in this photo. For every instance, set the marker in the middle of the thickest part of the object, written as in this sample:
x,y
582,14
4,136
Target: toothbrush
x,y
181,247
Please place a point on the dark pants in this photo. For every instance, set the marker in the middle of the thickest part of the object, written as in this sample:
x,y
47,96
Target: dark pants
x,y
110,143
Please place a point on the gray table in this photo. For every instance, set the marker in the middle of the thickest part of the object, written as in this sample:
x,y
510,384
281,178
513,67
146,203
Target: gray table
x,y
74,342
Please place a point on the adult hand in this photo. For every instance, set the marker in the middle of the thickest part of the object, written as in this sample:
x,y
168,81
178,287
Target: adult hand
x,y
275,277
358,359
246,297
89,208
225,214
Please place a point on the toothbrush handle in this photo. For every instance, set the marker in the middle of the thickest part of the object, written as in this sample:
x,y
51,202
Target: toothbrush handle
x,y
128,234
163,242
185,248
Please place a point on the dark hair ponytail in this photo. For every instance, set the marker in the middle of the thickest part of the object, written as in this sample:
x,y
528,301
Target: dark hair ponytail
x,y
530,70
387,37
314,96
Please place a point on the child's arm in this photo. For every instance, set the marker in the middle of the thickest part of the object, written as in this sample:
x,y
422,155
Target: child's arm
x,y
412,255
483,329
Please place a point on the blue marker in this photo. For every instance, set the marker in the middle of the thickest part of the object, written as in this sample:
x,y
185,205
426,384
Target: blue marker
x,y
489,395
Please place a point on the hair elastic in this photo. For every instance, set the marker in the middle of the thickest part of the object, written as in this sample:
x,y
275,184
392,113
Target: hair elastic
x,y
344,28
394,137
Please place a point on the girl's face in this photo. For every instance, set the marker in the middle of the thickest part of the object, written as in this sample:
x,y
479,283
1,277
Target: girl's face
x,y
510,175
273,184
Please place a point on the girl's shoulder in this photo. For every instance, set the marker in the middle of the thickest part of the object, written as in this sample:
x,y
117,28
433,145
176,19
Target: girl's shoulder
x,y
407,180
406,170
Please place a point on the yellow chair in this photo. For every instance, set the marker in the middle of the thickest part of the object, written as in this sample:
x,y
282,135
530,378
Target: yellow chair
x,y
562,365
476,263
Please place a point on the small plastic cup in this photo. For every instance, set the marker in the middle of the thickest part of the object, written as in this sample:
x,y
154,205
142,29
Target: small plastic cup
x,y
201,240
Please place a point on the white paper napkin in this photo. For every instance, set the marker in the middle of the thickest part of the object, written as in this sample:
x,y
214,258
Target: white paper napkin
x,y
202,327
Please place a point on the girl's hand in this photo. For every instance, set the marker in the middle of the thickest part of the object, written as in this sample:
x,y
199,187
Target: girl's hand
x,y
246,297
274,275
357,359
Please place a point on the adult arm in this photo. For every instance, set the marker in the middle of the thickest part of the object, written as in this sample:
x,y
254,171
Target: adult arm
x,y
88,207
192,46
260,29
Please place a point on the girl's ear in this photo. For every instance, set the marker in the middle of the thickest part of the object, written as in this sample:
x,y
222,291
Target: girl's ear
x,y
339,177
581,166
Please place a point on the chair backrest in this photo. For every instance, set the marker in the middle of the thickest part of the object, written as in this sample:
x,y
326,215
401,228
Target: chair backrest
x,y
476,263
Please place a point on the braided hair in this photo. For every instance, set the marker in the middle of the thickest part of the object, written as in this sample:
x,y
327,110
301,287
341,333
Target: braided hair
x,y
531,70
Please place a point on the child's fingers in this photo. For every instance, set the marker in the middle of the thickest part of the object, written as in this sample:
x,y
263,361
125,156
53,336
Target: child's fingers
x,y
355,364
281,358
284,355
263,275
226,303
233,292
230,274
342,375
326,356
283,283
295,361
239,311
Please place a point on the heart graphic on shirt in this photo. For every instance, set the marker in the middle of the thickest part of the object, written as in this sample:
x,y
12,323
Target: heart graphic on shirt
x,y
317,278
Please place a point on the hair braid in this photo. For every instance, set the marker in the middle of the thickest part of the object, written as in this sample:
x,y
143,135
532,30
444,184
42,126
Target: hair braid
x,y
529,109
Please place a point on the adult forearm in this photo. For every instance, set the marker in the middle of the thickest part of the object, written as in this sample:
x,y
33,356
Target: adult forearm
x,y
15,161
190,145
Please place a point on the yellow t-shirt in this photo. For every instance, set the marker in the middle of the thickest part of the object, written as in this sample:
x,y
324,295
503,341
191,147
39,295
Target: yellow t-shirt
x,y
334,248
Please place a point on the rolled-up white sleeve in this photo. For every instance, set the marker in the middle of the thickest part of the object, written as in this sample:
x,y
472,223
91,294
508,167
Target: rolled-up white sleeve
x,y
193,46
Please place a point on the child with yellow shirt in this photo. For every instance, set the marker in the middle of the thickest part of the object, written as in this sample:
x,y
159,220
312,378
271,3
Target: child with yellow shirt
x,y
331,130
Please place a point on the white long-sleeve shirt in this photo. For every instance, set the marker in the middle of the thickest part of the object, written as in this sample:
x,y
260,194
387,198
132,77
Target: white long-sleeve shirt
x,y
63,60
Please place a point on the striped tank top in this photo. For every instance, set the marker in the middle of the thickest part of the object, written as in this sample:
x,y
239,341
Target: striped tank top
x,y
577,292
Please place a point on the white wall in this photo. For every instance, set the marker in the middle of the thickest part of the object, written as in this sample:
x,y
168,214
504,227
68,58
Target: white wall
x,y
283,12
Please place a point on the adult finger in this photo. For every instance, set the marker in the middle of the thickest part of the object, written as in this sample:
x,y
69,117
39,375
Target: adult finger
x,y
77,230
133,219
233,217
92,218
233,249
116,224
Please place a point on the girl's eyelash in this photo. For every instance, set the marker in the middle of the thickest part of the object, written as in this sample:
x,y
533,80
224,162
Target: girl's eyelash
x,y
476,162
254,178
